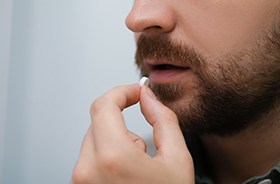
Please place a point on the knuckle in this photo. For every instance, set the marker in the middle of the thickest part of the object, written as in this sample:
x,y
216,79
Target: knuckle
x,y
169,114
97,104
103,101
111,163
81,176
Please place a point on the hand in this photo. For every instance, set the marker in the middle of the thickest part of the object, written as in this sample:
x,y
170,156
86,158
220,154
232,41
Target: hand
x,y
111,154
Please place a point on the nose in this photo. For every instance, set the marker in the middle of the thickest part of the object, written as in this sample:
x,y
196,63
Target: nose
x,y
147,15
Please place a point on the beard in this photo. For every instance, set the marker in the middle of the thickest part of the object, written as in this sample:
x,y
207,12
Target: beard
x,y
232,92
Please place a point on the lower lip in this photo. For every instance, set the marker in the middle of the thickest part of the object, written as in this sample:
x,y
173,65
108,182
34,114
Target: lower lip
x,y
168,76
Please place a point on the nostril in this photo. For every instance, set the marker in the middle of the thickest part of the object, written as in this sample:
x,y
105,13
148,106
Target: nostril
x,y
156,28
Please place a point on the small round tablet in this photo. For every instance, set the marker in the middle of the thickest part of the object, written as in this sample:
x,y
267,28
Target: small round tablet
x,y
145,81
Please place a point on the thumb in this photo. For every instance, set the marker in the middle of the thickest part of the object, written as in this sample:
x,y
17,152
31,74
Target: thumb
x,y
168,138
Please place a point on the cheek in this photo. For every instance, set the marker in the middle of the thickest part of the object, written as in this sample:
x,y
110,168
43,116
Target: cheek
x,y
219,27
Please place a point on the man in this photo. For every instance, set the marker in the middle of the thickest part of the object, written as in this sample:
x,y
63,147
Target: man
x,y
214,68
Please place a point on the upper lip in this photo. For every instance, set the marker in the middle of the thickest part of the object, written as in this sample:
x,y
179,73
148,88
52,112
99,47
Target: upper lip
x,y
153,64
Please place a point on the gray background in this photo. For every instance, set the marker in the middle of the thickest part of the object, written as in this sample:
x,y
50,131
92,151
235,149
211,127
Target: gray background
x,y
56,57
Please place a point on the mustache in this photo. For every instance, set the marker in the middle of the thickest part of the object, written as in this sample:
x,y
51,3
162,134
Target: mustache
x,y
162,47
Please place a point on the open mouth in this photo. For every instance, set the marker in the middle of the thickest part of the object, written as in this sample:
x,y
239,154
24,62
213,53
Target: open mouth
x,y
167,73
167,67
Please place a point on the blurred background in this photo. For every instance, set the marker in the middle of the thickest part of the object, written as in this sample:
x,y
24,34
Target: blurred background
x,y
56,57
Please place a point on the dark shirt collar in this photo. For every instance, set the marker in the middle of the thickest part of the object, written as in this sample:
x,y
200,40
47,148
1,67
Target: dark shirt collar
x,y
203,171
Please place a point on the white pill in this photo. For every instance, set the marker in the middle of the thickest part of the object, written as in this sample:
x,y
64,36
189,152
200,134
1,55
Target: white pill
x,y
145,81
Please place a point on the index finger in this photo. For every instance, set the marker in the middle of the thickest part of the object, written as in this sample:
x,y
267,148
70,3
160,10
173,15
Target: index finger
x,y
108,124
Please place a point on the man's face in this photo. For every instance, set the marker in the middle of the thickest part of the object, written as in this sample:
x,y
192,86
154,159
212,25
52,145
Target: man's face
x,y
215,63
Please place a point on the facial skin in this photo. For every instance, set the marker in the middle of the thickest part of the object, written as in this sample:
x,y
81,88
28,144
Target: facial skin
x,y
216,64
